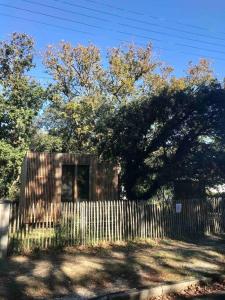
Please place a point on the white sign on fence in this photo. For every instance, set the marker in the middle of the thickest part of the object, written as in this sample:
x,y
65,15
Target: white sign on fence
x,y
178,208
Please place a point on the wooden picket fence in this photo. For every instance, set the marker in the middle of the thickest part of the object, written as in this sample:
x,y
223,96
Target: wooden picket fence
x,y
83,223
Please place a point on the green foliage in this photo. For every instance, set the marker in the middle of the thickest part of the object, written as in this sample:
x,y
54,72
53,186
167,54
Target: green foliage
x,y
74,95
43,141
84,93
131,109
20,101
167,138
10,165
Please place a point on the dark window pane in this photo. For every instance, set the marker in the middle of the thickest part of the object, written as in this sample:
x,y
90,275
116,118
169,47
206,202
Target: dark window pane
x,y
83,182
68,173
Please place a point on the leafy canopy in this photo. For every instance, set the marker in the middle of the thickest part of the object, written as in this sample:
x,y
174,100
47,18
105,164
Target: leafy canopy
x,y
131,109
20,101
169,137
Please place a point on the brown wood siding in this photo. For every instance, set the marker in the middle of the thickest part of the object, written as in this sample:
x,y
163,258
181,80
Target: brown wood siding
x,y
106,182
42,180
23,178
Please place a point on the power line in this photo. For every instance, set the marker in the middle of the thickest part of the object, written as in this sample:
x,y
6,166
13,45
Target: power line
x,y
144,13
121,32
175,44
208,50
175,51
175,29
203,56
191,53
46,24
125,25
116,7
138,35
63,27
71,20
91,34
48,15
88,33
169,34
65,10
88,8
135,20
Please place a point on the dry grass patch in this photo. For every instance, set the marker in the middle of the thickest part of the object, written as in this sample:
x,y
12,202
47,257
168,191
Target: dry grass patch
x,y
86,272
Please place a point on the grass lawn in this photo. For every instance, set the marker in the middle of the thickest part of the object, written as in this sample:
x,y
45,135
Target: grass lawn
x,y
87,272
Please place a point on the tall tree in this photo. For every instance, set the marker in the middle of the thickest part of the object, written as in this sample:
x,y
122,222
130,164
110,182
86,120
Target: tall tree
x,y
175,135
83,92
74,95
20,101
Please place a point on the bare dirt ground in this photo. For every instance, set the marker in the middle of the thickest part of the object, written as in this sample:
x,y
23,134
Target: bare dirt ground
x,y
87,272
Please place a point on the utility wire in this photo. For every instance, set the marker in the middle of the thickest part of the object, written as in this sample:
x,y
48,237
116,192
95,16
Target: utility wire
x,y
46,24
48,15
118,31
134,19
71,20
139,36
175,29
146,14
115,7
172,50
91,34
208,50
125,25
203,56
89,8
175,44
65,10
172,35
88,33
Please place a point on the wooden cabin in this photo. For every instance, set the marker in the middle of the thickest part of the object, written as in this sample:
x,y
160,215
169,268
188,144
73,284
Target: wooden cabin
x,y
53,178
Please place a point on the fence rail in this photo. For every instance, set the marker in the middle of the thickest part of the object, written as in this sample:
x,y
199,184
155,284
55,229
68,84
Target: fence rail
x,y
83,223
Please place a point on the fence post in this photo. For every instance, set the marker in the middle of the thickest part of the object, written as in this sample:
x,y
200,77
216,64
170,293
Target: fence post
x,y
4,226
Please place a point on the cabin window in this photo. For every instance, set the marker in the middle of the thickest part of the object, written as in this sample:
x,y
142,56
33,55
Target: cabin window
x,y
68,177
83,182
75,183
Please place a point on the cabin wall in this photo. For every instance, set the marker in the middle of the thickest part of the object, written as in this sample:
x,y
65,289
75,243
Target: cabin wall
x,y
23,178
42,179
106,182
42,183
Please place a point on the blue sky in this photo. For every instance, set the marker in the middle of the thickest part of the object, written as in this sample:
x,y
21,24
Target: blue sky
x,y
180,30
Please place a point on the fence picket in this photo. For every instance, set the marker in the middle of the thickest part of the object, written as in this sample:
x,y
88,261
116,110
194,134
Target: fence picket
x,y
93,222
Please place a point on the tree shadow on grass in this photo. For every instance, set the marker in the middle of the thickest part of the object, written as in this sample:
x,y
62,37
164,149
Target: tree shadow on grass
x,y
94,271
52,274
19,278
